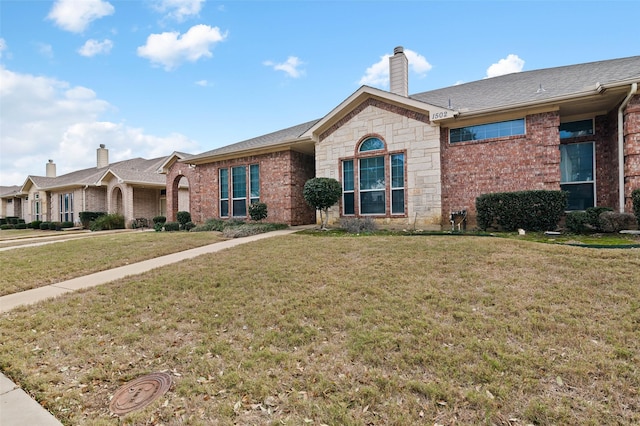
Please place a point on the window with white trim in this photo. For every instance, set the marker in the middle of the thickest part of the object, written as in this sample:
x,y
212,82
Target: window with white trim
x,y
577,174
66,207
224,192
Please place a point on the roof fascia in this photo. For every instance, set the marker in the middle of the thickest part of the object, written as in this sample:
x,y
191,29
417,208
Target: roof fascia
x,y
164,167
288,145
435,113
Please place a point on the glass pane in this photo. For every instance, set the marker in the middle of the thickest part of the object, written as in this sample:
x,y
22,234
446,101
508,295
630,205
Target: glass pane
x,y
347,175
371,144
347,203
239,182
224,208
397,171
254,172
576,128
397,201
372,202
486,131
576,162
240,207
372,173
580,195
224,183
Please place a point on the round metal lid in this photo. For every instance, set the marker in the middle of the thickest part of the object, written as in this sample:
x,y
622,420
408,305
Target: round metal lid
x,y
139,393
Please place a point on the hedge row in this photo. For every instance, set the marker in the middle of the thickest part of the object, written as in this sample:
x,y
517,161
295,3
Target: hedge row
x,y
531,210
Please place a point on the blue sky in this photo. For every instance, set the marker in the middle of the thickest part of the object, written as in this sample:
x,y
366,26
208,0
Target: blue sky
x,y
149,77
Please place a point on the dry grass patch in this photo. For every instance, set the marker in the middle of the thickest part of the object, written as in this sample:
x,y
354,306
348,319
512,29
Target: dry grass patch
x,y
24,268
350,331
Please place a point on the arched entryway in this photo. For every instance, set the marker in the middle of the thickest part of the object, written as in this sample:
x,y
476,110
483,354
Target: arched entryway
x,y
117,204
180,199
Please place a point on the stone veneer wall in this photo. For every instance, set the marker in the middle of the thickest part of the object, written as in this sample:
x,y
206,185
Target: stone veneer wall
x,y
401,130
282,178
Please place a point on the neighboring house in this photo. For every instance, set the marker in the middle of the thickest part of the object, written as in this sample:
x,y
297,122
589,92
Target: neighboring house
x,y
412,160
10,202
133,188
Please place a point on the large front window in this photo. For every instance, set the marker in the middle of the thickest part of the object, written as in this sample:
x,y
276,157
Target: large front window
x,y
66,207
577,173
380,181
239,186
487,131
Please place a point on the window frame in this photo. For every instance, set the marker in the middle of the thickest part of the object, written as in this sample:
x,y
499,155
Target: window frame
x,y
351,169
66,207
485,128
223,192
592,181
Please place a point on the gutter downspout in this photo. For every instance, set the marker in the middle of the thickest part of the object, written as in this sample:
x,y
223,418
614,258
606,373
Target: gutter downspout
x,y
634,89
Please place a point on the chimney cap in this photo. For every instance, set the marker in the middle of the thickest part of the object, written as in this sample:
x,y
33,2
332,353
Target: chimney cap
x,y
101,145
398,49
51,161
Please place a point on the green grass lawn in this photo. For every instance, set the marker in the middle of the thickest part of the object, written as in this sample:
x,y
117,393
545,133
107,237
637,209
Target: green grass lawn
x,y
348,330
24,268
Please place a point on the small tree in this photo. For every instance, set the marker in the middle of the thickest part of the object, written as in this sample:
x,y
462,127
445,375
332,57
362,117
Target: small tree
x,y
322,193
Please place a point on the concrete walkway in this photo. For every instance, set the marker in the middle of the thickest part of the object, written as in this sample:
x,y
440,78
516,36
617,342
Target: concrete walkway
x,y
17,408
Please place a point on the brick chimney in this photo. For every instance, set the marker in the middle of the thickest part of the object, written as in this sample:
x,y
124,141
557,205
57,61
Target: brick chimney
x,y
399,72
103,156
51,169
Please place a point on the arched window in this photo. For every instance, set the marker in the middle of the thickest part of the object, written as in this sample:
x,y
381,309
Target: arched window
x,y
373,182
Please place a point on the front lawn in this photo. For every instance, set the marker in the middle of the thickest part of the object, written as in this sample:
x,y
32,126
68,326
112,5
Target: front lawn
x,y
337,330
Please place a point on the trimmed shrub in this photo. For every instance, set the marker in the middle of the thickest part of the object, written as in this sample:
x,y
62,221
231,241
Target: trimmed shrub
x,y
593,214
64,225
108,222
172,226
635,200
258,211
210,225
54,226
44,226
159,219
356,225
610,221
35,224
20,226
183,217
6,226
188,226
576,222
538,210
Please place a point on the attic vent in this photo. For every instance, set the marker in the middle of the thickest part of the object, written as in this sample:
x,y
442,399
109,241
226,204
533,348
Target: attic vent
x,y
540,89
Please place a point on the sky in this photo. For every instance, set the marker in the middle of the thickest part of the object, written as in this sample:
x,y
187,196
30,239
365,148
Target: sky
x,y
150,77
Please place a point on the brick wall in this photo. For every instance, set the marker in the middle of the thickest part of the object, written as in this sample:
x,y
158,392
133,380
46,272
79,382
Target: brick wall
x,y
146,203
282,178
632,150
515,163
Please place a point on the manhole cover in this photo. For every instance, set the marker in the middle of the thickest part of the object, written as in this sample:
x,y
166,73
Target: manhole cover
x,y
139,393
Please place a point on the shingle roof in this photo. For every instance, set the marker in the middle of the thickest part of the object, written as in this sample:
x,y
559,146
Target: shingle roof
x,y
531,86
270,139
9,191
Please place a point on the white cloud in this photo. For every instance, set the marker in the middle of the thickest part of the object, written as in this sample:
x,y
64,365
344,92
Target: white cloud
x,y
3,46
171,49
50,119
94,47
179,9
512,63
45,50
75,16
291,66
377,75
202,83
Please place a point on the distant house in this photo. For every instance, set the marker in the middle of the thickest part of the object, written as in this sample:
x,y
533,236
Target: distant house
x,y
10,202
412,160
133,188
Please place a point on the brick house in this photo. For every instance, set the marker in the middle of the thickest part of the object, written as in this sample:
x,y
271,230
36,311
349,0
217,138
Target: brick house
x,y
133,188
411,160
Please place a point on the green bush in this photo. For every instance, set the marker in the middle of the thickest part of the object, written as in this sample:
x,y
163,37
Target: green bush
x,y
66,224
576,222
12,220
593,215
188,226
210,225
35,224
21,225
251,229
44,226
87,217
183,217
172,226
537,210
635,200
321,193
356,225
3,221
258,211
108,222
159,219
6,226
54,226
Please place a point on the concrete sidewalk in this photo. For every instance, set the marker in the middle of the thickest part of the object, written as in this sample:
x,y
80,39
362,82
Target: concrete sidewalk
x,y
17,408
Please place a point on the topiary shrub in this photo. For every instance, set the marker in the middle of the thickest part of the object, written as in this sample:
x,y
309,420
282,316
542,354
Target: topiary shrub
x,y
258,211
172,226
610,221
635,201
356,225
321,193
183,217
